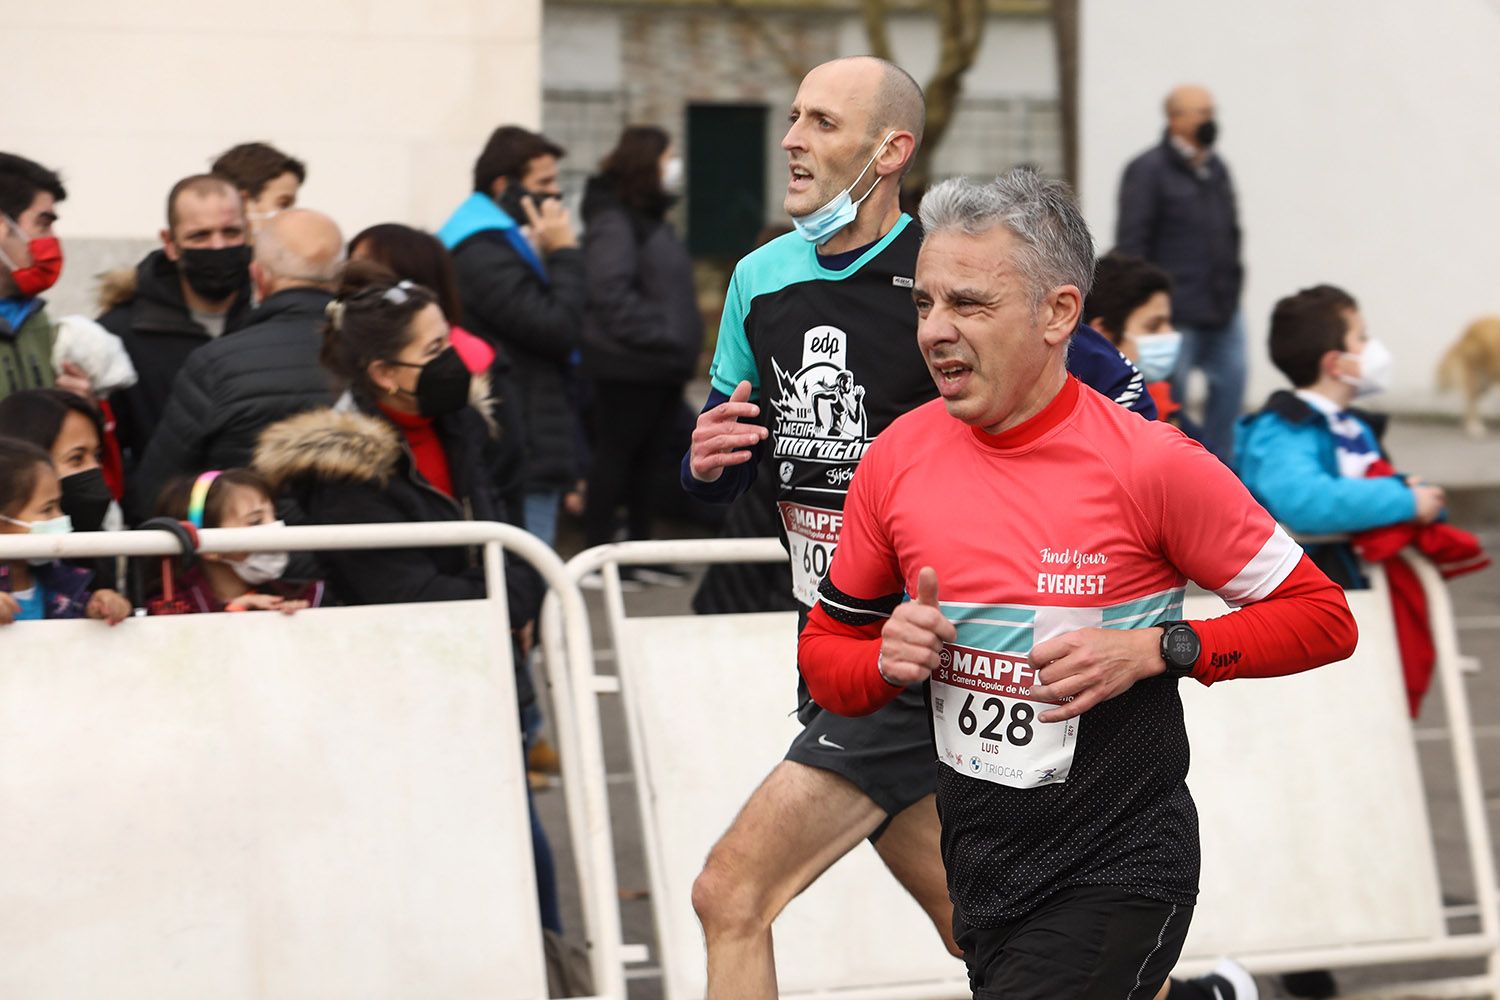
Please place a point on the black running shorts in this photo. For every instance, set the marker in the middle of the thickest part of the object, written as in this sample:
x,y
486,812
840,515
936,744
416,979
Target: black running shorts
x,y
1091,942
889,755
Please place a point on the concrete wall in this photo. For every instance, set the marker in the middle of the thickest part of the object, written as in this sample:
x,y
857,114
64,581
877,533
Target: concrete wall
x,y
1361,137
662,60
387,102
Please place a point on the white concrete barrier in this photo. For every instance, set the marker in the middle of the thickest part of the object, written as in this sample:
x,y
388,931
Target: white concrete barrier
x,y
1316,844
327,805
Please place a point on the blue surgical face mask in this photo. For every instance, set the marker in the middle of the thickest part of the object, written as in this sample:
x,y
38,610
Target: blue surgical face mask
x,y
820,225
60,525
1156,354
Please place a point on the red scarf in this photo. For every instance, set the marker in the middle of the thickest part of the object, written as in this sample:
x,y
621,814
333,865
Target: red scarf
x,y
426,447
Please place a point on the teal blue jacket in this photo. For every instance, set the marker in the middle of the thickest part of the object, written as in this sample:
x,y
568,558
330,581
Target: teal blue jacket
x,y
1286,455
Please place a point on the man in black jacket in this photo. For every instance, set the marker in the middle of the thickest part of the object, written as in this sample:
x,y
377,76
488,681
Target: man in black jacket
x,y
1177,210
231,389
521,281
195,288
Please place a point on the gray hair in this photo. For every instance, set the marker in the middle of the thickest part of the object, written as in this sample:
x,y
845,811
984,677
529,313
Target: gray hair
x,y
1055,245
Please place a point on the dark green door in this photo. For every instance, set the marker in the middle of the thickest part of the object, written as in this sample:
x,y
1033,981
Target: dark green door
x,y
726,156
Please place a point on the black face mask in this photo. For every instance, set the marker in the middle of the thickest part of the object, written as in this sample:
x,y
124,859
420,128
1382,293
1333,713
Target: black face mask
x,y
1206,133
510,200
443,386
216,274
86,499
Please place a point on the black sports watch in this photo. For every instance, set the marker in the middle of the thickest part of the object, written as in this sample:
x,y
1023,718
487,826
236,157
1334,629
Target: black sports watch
x,y
1180,647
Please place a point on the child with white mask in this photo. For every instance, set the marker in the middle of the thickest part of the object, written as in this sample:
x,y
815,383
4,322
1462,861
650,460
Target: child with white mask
x,y
229,581
43,588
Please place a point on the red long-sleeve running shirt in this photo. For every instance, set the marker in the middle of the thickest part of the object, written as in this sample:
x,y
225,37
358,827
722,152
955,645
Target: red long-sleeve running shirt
x,y
1083,516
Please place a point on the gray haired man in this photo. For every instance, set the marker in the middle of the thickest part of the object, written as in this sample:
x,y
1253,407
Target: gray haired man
x,y
1020,548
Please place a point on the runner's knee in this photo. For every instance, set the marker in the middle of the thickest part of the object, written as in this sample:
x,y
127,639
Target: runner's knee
x,y
729,900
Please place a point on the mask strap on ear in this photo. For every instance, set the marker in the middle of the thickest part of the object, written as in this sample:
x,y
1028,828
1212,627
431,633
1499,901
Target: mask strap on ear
x,y
198,499
873,157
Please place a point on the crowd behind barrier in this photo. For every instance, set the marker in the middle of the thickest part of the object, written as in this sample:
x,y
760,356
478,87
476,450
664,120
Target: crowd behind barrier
x,y
257,371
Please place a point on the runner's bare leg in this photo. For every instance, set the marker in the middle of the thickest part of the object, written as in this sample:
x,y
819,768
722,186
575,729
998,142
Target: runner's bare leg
x,y
797,823
911,848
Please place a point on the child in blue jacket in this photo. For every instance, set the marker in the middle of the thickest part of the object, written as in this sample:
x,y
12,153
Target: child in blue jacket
x,y
1306,455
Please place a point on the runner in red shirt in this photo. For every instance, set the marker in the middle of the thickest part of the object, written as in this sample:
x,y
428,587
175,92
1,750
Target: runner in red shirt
x,y
1046,536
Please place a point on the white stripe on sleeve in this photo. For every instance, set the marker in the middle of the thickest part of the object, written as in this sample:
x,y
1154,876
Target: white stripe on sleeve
x,y
1264,573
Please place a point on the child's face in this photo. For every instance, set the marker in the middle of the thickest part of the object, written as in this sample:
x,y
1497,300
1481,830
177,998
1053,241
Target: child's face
x,y
243,507
1152,316
44,505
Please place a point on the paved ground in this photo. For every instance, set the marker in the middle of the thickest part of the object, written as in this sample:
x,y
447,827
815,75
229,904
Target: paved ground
x,y
1435,449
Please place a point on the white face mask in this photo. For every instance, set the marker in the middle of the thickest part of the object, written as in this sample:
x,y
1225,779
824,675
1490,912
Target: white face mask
x,y
262,567
820,225
60,525
1156,354
1374,369
672,176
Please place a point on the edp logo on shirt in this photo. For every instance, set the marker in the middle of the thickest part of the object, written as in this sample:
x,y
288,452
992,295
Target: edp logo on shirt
x,y
825,343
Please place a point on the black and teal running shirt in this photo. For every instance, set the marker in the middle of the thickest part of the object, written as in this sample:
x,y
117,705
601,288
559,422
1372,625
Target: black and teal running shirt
x,y
832,358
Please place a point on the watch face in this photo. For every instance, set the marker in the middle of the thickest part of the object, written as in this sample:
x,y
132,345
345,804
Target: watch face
x,y
1182,646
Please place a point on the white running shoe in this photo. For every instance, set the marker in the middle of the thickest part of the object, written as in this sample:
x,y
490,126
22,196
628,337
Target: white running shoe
x,y
1231,981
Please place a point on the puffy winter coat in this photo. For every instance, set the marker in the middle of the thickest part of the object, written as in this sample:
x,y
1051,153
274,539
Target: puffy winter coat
x,y
150,315
350,465
532,310
230,390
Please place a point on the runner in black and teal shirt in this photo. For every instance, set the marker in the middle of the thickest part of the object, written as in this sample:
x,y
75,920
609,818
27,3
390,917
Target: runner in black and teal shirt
x,y
819,329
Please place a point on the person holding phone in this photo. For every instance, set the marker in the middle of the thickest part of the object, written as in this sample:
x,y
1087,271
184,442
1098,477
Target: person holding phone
x,y
521,284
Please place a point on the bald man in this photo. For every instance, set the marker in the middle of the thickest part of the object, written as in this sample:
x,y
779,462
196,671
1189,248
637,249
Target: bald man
x,y
816,355
230,389
1177,210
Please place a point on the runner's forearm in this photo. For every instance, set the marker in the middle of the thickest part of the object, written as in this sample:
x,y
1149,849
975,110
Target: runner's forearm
x,y
1302,624
839,663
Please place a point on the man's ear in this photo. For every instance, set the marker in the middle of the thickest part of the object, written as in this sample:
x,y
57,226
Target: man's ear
x,y
168,247
498,186
897,154
1061,311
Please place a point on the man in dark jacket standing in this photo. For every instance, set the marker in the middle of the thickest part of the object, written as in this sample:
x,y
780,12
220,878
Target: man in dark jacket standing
x,y
233,388
1177,210
521,282
195,288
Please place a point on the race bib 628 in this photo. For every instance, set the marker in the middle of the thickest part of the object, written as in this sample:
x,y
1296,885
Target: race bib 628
x,y
985,720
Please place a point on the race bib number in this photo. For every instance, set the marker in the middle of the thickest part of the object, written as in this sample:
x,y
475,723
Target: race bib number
x,y
985,720
811,534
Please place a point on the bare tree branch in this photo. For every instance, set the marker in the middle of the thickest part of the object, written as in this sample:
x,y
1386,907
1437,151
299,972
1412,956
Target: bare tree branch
x,y
1065,36
790,64
876,30
960,30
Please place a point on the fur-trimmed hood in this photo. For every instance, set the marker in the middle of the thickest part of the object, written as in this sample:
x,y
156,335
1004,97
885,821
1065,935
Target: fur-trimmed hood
x,y
116,288
345,442
328,444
